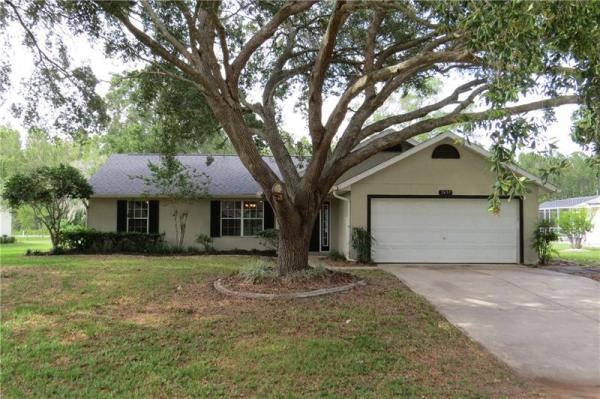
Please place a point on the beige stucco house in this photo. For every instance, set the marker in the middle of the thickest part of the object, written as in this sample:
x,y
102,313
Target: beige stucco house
x,y
422,202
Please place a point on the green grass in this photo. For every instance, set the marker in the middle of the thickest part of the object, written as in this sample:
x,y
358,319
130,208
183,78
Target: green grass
x,y
139,327
585,256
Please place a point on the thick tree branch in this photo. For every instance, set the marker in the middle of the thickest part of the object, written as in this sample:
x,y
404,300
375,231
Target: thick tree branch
x,y
262,36
397,137
164,31
385,123
322,61
152,44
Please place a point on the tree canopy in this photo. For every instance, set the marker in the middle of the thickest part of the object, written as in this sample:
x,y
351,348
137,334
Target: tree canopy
x,y
244,58
49,192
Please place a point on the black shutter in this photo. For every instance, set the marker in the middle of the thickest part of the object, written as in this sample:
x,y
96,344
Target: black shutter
x,y
153,216
122,215
269,216
215,218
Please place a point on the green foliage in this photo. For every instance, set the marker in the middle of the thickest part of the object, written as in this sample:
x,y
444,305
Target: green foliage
x,y
152,112
49,191
575,223
361,243
544,235
575,174
4,239
259,271
91,241
269,238
206,241
336,255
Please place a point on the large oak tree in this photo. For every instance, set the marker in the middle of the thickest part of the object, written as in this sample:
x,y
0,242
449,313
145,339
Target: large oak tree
x,y
357,54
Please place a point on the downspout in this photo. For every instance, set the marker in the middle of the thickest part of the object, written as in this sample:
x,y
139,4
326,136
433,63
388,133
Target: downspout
x,y
348,226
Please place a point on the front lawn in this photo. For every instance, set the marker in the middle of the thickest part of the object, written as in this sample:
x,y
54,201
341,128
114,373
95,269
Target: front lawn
x,y
585,256
131,326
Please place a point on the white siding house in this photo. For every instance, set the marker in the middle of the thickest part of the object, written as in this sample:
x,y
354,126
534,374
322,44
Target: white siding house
x,y
5,222
552,209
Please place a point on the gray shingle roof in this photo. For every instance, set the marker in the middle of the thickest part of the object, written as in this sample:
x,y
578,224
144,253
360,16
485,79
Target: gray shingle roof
x,y
567,202
118,177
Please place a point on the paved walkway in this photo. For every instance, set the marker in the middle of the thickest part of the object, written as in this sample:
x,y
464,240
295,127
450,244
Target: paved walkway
x,y
544,324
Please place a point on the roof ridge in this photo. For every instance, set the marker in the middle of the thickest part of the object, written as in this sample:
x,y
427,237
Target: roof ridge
x,y
194,155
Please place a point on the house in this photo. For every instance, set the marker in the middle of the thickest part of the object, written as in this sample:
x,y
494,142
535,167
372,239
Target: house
x,y
422,202
5,222
550,210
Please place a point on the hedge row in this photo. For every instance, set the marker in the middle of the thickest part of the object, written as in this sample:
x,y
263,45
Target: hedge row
x,y
92,241
4,239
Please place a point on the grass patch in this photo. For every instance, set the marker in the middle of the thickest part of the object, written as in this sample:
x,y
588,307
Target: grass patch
x,y
585,256
130,326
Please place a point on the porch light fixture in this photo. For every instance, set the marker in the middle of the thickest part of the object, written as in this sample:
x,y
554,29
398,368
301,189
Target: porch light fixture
x,y
277,191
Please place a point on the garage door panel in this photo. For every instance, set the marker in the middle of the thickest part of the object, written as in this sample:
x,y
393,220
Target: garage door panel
x,y
436,230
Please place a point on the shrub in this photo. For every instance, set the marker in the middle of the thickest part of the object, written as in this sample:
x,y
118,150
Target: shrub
x,y
206,241
361,243
4,239
92,241
269,238
336,255
543,236
259,271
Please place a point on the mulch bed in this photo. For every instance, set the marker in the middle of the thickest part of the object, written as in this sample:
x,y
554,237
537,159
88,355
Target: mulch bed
x,y
284,285
568,267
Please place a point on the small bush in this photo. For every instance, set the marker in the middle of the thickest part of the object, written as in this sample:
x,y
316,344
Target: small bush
x,y
543,236
336,255
269,238
361,242
259,271
206,241
4,239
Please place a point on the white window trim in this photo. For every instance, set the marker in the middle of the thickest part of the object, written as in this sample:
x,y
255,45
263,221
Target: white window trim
x,y
241,218
147,215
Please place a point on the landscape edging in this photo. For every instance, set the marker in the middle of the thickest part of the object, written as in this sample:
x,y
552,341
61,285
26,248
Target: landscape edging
x,y
218,284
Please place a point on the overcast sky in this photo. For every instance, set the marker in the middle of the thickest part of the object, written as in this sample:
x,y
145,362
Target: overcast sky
x,y
85,53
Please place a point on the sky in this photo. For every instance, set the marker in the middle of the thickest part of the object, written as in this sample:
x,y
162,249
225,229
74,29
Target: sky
x,y
86,53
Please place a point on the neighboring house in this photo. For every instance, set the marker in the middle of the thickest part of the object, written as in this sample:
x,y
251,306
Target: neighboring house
x,y
423,203
550,210
5,222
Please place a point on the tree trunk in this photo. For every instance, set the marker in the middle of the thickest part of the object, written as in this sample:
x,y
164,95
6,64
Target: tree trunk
x,y
294,241
54,238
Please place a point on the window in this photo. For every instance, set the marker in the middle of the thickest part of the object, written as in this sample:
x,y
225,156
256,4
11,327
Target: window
x,y
242,218
137,216
445,151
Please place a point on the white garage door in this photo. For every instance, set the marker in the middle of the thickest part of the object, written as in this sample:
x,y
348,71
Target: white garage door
x,y
444,230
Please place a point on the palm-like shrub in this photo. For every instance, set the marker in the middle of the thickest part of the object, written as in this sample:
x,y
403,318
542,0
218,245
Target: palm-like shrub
x,y
545,233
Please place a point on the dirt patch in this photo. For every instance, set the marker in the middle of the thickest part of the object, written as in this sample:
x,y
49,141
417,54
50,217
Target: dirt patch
x,y
73,337
329,279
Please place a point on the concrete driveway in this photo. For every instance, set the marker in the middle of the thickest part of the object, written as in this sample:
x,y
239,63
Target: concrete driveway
x,y
544,324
